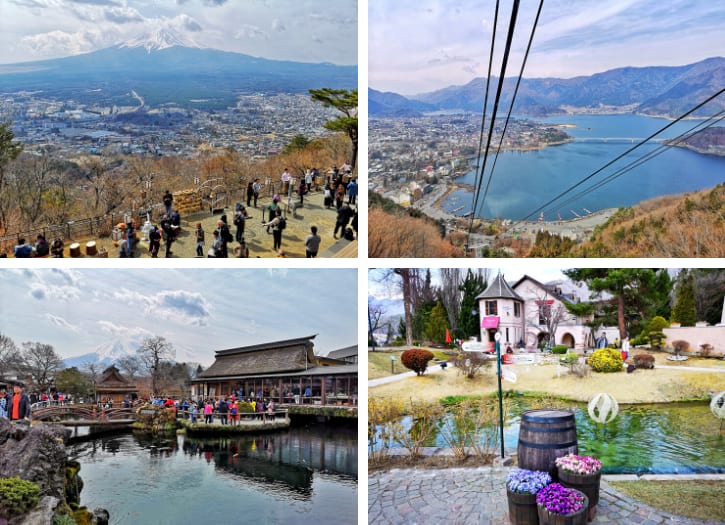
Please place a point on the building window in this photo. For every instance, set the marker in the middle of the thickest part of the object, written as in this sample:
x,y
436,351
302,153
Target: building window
x,y
517,309
544,313
491,307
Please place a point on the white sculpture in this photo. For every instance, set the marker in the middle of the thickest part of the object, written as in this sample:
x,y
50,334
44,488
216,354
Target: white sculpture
x,y
717,405
603,408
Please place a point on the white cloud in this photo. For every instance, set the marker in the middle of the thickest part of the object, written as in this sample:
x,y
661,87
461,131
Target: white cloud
x,y
248,31
61,323
177,306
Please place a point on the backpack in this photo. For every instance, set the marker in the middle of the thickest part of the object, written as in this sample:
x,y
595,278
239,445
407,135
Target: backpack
x,y
282,224
349,234
238,220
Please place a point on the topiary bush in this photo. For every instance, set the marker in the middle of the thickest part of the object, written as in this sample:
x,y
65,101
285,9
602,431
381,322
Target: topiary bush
x,y
644,361
17,496
657,324
640,340
606,360
559,349
680,346
416,359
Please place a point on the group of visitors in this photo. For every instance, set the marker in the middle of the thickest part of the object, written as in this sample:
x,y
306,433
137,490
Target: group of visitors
x,y
41,248
226,409
15,406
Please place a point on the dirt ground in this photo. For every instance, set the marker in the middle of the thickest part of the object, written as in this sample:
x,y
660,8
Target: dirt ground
x,y
667,382
260,242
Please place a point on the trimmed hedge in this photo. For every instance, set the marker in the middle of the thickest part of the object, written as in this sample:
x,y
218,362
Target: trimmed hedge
x,y
416,359
559,349
606,360
644,361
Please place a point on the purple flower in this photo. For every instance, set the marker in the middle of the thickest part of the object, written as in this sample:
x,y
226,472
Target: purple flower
x,y
560,500
525,481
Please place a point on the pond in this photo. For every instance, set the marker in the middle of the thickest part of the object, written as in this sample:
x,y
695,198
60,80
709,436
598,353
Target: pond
x,y
657,438
303,475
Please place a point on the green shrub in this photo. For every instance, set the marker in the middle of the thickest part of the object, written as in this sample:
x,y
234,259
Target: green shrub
x,y
559,349
17,496
606,360
657,324
642,339
569,359
416,359
63,519
656,339
644,361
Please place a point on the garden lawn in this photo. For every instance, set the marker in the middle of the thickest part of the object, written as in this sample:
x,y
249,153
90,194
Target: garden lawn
x,y
694,499
641,386
379,362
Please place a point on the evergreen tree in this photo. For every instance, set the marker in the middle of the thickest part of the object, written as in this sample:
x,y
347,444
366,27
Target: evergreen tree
x,y
435,330
473,285
684,310
344,101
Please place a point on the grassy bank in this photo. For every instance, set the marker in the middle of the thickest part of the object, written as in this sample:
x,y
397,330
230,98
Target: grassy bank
x,y
693,499
665,384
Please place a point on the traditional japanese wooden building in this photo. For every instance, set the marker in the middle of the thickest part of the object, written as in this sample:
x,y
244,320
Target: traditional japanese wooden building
x,y
285,371
113,386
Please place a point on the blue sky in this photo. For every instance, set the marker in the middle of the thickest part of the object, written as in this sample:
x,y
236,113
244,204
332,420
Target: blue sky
x,y
299,30
197,310
418,46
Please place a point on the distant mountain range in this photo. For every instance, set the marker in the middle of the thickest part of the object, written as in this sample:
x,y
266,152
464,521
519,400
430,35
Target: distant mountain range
x,y
108,353
165,68
647,90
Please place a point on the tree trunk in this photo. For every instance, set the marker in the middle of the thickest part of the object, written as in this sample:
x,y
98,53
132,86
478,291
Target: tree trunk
x,y
620,317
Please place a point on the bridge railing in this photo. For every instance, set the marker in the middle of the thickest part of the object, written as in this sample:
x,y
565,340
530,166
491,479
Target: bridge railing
x,y
83,413
243,416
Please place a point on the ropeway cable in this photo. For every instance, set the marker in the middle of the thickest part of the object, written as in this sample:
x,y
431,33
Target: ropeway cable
x,y
507,49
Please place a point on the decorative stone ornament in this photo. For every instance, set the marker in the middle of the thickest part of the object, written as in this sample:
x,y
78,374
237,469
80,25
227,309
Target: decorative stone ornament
x,y
717,405
603,408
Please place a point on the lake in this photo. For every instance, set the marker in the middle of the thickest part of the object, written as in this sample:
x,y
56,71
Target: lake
x,y
525,180
303,475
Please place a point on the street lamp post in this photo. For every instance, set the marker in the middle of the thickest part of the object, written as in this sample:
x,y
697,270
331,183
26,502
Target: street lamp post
x,y
497,346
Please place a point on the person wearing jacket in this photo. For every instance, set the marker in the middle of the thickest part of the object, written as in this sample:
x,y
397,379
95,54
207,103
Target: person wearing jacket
x,y
18,404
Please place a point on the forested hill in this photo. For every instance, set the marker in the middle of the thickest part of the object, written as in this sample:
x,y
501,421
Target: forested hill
x,y
690,225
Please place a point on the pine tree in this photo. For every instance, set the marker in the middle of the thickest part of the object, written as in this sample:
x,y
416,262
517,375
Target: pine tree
x,y
684,310
435,330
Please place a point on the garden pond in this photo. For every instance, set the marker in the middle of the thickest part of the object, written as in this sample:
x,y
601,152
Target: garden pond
x,y
303,475
652,438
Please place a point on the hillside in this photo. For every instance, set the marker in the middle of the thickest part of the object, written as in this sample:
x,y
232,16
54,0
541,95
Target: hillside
x,y
690,225
647,90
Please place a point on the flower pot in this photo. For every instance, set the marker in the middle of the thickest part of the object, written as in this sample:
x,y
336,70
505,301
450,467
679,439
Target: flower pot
x,y
588,484
551,518
522,508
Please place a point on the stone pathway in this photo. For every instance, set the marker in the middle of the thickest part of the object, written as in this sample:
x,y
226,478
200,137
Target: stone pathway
x,y
473,496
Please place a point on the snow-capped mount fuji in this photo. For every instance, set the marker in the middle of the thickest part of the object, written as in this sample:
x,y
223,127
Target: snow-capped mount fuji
x,y
110,352
158,40
166,68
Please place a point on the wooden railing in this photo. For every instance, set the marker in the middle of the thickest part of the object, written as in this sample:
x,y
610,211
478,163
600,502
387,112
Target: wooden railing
x,y
85,413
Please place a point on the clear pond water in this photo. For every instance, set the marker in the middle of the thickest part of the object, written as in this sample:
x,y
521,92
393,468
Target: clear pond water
x,y
301,476
658,438
525,180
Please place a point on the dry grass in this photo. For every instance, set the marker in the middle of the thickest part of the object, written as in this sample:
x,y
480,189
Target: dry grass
x,y
642,386
379,362
694,499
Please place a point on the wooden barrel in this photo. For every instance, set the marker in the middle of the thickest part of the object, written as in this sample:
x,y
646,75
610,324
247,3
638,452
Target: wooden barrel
x,y
522,508
91,248
545,435
75,250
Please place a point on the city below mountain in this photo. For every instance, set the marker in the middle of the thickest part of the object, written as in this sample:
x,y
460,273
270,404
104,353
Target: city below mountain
x,y
164,68
655,91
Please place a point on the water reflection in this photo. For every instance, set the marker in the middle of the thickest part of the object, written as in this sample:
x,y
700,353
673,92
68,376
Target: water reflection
x,y
307,474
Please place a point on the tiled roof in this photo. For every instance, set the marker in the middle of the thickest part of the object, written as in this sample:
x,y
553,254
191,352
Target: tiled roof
x,y
499,289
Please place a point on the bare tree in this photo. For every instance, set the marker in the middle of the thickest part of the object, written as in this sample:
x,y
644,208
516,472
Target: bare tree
x,y
375,316
450,294
93,369
152,352
548,315
40,361
130,365
8,353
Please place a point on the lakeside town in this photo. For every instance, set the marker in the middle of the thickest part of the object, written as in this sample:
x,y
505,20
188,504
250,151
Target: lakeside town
x,y
258,125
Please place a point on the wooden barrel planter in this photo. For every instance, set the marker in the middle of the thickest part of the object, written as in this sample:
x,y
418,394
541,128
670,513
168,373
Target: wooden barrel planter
x,y
545,435
522,508
588,484
551,518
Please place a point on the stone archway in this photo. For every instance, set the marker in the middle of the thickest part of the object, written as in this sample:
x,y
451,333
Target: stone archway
x,y
568,340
